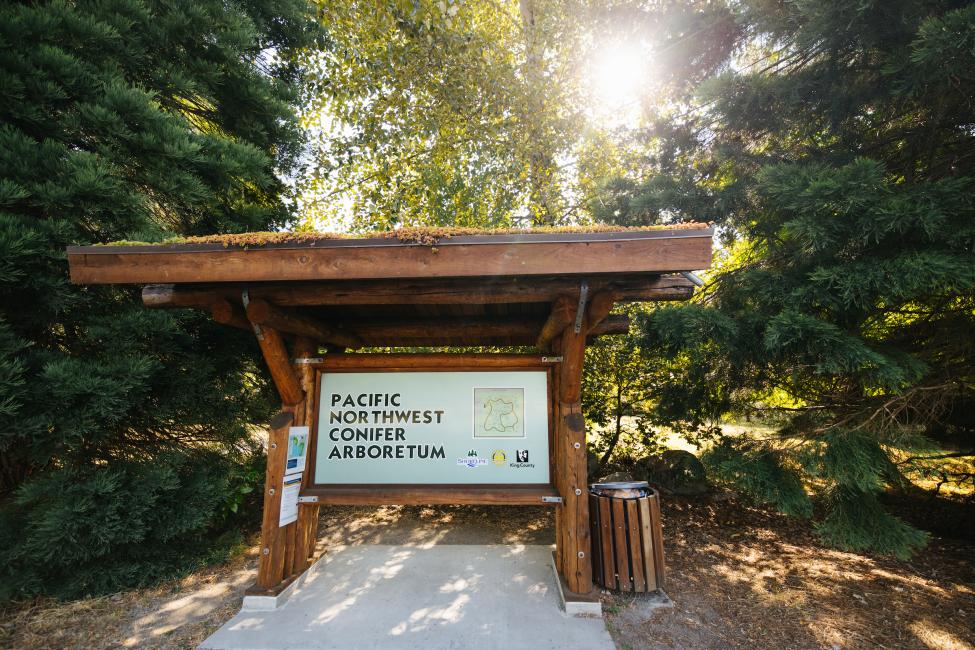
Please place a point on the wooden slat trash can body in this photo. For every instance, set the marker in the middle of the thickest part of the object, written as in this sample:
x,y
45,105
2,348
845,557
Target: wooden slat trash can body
x,y
627,537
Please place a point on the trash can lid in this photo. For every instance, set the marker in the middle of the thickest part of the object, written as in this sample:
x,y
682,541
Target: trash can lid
x,y
620,485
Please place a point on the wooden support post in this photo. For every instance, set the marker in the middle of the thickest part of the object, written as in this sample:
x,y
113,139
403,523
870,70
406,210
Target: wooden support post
x,y
263,313
558,319
279,363
570,440
271,568
306,528
278,560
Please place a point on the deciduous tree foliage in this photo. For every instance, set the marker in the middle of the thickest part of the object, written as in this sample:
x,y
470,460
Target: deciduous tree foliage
x,y
124,430
441,112
838,156
618,391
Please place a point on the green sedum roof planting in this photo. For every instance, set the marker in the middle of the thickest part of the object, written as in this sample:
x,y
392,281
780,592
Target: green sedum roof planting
x,y
427,236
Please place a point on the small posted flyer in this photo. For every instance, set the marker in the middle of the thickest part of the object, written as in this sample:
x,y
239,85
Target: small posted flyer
x,y
289,499
297,450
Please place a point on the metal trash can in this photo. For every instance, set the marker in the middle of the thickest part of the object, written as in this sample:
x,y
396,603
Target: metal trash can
x,y
627,536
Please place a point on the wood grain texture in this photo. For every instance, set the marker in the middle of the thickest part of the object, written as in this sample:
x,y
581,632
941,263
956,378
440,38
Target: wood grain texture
x,y
444,360
635,547
578,572
687,251
227,313
271,567
572,350
445,331
656,528
432,495
620,549
571,437
606,543
558,319
306,528
646,544
599,307
432,291
263,313
279,364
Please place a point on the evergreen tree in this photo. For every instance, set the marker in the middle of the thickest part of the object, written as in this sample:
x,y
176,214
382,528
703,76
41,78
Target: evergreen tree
x,y
839,159
124,430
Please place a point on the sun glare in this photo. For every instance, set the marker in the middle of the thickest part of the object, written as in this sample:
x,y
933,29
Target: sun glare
x,y
619,78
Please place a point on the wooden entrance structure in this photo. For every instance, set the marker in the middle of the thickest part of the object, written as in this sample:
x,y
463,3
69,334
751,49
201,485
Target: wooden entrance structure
x,y
320,296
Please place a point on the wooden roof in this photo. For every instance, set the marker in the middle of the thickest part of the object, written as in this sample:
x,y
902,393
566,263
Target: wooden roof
x,y
483,289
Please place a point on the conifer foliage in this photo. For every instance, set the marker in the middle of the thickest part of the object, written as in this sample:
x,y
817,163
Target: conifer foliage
x,y
124,430
839,158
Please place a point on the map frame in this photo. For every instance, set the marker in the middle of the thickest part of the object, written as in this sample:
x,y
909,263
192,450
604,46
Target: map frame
x,y
474,414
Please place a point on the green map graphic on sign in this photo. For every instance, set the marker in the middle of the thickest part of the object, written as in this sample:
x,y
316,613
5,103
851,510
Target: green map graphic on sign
x,y
499,412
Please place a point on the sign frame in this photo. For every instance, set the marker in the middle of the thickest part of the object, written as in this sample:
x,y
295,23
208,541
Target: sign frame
x,y
434,493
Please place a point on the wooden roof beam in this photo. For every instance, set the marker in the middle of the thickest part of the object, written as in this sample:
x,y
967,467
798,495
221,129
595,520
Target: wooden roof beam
x,y
663,251
559,318
470,328
599,307
421,292
263,313
279,363
227,313
469,332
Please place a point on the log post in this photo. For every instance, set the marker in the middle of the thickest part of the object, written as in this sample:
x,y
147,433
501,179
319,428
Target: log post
x,y
278,362
570,440
226,313
263,313
278,543
558,319
271,568
306,528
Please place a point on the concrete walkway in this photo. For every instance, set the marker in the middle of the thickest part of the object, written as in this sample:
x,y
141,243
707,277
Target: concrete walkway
x,y
440,596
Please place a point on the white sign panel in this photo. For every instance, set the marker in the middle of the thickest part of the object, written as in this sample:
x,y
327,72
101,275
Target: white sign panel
x,y
426,428
290,487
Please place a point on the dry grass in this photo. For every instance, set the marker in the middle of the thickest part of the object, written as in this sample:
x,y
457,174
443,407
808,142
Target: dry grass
x,y
177,614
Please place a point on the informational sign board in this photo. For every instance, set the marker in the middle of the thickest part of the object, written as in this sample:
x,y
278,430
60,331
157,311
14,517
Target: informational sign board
x,y
429,428
290,487
297,450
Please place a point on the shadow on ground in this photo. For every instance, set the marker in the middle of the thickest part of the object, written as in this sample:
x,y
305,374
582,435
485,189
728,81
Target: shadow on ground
x,y
745,577
424,525
739,577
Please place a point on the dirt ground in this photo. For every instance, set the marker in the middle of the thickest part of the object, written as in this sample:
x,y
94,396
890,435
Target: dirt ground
x,y
745,577
738,577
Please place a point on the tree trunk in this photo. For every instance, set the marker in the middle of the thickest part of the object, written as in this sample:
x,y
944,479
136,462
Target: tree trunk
x,y
618,432
540,161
